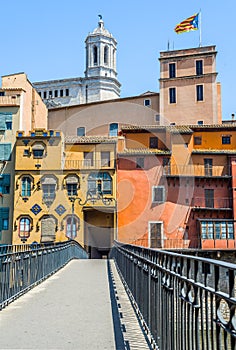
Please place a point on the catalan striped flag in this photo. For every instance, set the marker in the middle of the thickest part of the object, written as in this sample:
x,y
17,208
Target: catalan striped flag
x,y
187,25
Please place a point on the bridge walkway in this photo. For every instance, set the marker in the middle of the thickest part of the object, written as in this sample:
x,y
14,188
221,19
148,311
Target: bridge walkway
x,y
83,306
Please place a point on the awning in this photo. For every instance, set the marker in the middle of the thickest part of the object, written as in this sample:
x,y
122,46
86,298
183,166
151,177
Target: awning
x,y
72,180
48,181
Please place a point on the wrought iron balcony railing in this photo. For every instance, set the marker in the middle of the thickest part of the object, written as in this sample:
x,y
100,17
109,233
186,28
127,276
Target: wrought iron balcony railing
x,y
212,203
196,170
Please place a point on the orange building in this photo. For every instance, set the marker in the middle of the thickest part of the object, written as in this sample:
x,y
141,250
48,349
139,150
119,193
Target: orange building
x,y
179,185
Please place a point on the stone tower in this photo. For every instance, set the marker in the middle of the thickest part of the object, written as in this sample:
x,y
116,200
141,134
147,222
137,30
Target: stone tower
x,y
100,69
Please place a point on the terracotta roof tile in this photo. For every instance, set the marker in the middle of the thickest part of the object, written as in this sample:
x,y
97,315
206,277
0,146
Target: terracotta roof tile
x,y
144,151
214,151
90,139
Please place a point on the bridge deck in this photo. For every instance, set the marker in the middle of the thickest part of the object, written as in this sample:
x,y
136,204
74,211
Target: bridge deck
x,y
73,309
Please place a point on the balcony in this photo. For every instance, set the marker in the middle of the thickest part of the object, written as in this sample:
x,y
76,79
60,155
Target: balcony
x,y
212,203
196,170
88,164
12,100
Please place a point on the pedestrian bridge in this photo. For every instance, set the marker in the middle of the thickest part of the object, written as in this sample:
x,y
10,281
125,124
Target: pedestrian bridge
x,y
137,299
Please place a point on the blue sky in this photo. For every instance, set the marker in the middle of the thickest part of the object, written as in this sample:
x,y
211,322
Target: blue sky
x,y
45,39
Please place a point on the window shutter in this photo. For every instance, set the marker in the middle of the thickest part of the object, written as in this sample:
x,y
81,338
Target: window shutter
x,y
8,117
5,151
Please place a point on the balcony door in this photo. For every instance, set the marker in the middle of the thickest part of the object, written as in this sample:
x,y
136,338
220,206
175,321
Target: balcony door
x,y
209,198
208,166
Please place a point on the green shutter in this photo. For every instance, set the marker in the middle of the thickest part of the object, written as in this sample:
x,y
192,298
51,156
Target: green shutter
x,y
2,122
5,151
4,214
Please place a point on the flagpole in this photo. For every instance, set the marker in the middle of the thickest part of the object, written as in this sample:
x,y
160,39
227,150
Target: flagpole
x,y
200,28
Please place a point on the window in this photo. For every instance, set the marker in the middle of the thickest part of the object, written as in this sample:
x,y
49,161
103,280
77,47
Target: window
x,y
2,93
172,95
61,93
24,228
40,94
88,159
81,131
140,163
209,198
9,125
72,184
153,142
226,139
172,70
217,229
155,230
199,90
157,118
67,92
199,67
38,150
45,94
100,182
197,140
50,94
106,55
49,184
105,159
4,219
200,122
5,224
208,166
26,153
95,55
5,180
166,166
147,102
5,121
56,93
173,123
158,194
5,151
26,186
113,129
72,225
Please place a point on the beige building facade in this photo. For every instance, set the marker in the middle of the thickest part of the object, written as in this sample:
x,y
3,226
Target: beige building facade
x,y
189,92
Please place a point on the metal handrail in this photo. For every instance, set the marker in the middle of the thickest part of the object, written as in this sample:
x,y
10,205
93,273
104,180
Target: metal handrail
x,y
24,266
184,301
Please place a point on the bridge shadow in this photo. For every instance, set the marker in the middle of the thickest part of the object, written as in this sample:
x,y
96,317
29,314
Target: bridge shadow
x,y
119,339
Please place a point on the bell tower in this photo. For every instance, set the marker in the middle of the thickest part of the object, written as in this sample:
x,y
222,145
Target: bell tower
x,y
101,62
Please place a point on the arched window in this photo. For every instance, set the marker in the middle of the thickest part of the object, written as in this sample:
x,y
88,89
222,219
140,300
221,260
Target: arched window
x,y
26,186
24,228
113,129
72,226
100,182
95,55
106,55
49,185
72,185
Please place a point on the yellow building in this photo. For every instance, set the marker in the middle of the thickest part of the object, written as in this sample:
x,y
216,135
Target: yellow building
x,y
21,108
65,189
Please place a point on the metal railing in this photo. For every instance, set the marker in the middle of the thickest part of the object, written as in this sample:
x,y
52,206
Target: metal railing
x,y
185,302
10,100
196,170
24,266
88,164
212,203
